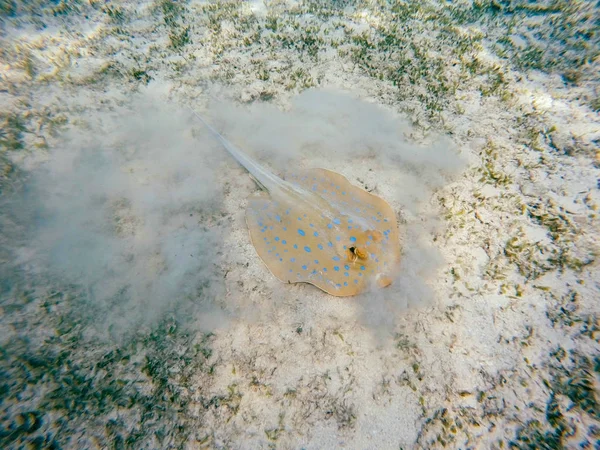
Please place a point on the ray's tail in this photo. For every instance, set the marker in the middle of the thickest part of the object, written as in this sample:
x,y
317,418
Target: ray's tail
x,y
265,179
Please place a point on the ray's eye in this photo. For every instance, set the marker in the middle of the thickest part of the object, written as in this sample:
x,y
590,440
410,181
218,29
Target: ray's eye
x,y
355,253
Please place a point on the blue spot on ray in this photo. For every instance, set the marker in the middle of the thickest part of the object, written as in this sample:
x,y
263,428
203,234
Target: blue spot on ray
x,y
304,267
347,267
301,232
336,221
336,268
336,258
276,238
352,239
320,246
307,249
284,242
316,234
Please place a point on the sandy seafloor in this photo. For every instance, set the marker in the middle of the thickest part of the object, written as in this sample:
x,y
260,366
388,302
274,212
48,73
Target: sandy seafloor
x,y
477,121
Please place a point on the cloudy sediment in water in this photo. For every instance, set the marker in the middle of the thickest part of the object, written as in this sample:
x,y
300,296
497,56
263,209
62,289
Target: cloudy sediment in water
x,y
135,311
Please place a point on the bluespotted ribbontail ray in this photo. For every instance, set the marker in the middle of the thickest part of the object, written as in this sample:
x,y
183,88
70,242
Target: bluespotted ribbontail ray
x,y
313,226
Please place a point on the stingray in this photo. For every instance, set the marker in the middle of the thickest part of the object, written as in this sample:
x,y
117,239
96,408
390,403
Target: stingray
x,y
313,226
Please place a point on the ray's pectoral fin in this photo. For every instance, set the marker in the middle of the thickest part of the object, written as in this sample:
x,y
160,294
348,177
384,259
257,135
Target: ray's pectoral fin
x,y
275,239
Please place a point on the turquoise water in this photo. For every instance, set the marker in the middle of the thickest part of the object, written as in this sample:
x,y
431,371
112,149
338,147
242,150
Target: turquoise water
x,y
135,312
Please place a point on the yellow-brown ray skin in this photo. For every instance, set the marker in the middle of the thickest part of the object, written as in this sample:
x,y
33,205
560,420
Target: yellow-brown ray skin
x,y
272,222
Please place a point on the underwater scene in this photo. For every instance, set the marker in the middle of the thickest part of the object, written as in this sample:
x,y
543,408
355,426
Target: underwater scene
x,y
300,224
